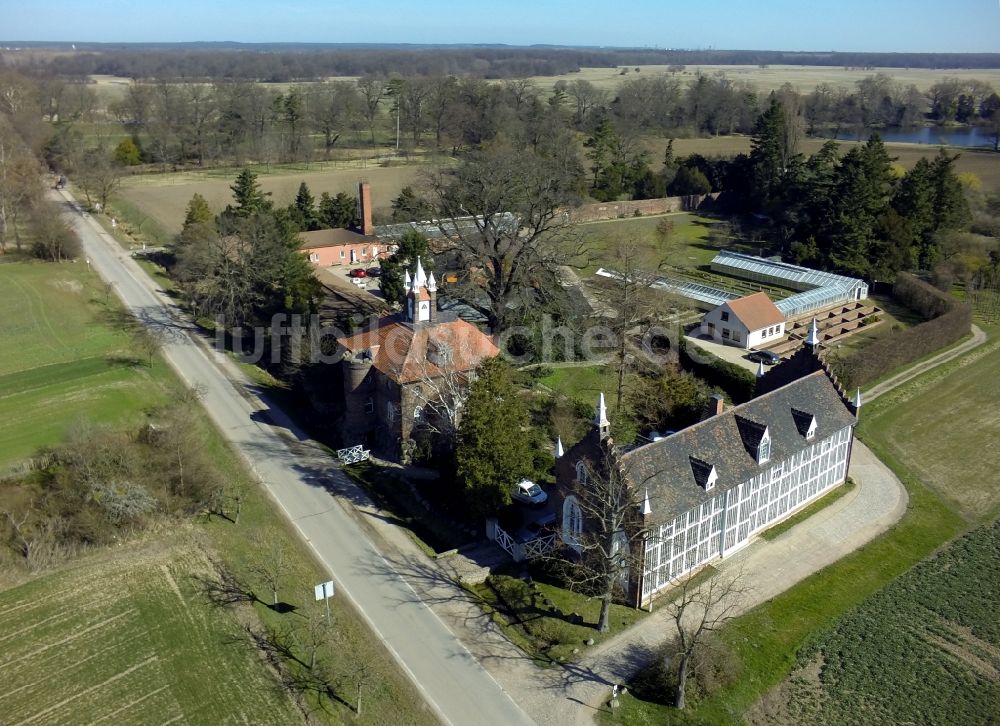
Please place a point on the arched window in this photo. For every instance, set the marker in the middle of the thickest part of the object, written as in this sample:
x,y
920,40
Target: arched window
x,y
581,471
572,524
619,546
418,412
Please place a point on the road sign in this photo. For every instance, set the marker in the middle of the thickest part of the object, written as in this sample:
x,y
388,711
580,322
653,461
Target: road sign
x,y
324,590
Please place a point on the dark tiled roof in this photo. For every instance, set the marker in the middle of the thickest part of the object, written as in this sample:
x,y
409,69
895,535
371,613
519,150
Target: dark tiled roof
x,y
670,467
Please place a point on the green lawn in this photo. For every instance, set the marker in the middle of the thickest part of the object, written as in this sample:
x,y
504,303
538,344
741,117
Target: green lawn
x,y
583,383
60,362
686,245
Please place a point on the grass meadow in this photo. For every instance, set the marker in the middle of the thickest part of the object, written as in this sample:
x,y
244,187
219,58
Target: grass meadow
x,y
127,638
163,198
61,362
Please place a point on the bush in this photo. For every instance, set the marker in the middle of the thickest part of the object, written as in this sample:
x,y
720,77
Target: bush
x,y
54,239
946,321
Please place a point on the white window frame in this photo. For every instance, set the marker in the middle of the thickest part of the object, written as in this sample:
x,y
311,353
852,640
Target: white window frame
x,y
581,471
572,522
764,448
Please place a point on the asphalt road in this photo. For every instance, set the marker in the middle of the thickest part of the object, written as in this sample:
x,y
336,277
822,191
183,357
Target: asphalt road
x,y
311,491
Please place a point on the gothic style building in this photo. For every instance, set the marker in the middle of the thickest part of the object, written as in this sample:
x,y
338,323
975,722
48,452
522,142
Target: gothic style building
x,y
395,370
705,491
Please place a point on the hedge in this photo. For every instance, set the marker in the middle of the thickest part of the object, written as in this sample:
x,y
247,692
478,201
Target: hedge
x,y
736,381
946,321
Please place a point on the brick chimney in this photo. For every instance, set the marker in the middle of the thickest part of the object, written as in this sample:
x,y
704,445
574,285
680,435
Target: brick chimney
x,y
365,208
713,407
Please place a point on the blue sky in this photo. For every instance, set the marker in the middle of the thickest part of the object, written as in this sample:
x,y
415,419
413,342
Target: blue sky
x,y
843,25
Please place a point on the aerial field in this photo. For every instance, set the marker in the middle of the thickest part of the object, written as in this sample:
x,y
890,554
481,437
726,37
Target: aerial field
x,y
164,197
802,78
60,362
129,639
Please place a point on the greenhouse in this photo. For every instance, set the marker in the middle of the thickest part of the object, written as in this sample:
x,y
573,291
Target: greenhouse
x,y
818,289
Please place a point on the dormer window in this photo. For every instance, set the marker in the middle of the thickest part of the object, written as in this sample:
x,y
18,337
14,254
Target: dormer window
x,y
705,474
764,448
805,422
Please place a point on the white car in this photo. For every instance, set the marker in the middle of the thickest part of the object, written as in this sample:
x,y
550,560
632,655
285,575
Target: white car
x,y
528,492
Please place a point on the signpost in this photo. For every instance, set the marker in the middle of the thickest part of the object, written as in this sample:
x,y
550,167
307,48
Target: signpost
x,y
324,591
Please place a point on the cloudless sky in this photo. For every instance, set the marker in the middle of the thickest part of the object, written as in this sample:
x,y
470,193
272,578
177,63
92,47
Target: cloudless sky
x,y
842,25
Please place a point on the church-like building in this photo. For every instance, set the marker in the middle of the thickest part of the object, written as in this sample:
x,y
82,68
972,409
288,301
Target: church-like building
x,y
393,370
704,492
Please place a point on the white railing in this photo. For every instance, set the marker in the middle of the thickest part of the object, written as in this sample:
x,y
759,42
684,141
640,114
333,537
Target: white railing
x,y
538,547
507,543
353,454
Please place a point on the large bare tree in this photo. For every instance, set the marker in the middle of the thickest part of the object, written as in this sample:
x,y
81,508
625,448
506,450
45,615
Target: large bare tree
x,y
698,609
504,210
612,533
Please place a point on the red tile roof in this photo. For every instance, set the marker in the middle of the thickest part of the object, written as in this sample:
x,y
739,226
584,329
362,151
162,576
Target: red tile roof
x,y
756,311
400,349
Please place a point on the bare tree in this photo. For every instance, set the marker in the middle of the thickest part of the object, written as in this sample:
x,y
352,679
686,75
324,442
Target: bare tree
x,y
269,563
443,389
611,536
514,227
697,610
372,90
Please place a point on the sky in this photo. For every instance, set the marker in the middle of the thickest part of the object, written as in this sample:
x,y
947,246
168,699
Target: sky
x,y
841,25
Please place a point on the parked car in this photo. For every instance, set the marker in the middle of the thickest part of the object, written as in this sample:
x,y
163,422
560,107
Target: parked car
x,y
358,272
764,356
527,492
374,272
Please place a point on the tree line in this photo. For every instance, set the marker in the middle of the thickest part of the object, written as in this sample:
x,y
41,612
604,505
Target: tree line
x,y
291,62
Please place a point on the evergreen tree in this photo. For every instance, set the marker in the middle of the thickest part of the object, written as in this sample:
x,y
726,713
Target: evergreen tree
x,y
772,146
409,247
248,196
409,207
494,448
689,180
302,212
198,212
337,212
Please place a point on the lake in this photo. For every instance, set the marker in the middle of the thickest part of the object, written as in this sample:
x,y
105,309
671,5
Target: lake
x,y
968,136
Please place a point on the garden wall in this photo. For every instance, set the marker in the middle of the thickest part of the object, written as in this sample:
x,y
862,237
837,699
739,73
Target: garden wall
x,y
614,210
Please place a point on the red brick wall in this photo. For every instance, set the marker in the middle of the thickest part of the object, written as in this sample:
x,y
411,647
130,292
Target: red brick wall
x,y
613,210
330,256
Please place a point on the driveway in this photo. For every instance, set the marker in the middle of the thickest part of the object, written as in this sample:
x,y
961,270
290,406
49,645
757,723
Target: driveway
x,y
728,353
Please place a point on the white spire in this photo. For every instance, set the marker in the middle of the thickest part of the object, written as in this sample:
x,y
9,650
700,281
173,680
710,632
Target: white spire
x,y
601,414
813,338
406,279
857,401
760,369
645,509
419,278
432,285
559,447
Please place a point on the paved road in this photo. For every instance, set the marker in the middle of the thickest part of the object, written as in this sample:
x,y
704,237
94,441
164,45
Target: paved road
x,y
304,482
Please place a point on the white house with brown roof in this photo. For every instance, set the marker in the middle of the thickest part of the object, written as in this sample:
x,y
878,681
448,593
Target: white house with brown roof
x,y
746,322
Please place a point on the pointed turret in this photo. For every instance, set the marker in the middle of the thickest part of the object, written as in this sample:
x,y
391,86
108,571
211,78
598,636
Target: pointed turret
x,y
559,447
407,283
419,278
813,338
760,369
856,403
601,417
432,285
645,510
432,291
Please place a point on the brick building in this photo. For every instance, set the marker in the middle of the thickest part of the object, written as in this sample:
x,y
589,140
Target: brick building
x,y
392,369
332,247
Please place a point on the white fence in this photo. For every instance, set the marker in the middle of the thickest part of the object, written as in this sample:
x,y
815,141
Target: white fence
x,y
353,454
521,551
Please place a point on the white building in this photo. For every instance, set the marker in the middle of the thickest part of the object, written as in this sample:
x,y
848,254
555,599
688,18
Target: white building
x,y
747,322
707,490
